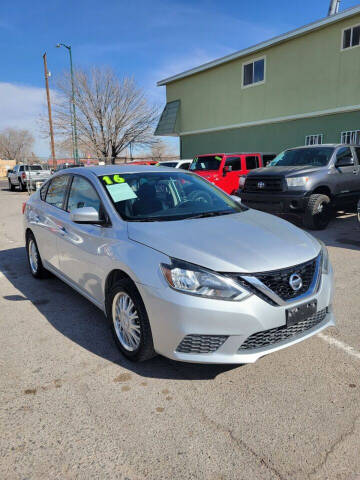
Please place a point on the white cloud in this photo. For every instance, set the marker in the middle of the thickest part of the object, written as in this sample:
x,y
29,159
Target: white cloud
x,y
21,107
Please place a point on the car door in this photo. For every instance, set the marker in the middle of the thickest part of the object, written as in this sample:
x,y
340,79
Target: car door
x,y
46,219
348,175
231,173
81,245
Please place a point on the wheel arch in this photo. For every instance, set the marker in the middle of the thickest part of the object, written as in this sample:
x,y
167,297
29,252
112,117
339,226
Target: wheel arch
x,y
324,190
115,275
28,232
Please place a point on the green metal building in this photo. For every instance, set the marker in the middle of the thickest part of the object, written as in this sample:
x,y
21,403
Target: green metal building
x,y
299,88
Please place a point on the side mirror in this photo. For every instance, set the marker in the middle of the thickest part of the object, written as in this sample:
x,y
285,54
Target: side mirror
x,y
345,162
10,171
227,169
85,215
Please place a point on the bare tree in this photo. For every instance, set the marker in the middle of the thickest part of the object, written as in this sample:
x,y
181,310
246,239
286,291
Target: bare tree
x,y
160,151
111,113
15,144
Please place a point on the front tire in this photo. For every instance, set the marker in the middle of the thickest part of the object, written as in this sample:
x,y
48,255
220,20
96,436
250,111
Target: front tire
x,y
129,320
34,260
317,212
11,187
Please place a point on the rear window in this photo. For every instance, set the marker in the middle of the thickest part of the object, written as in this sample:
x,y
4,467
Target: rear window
x,y
32,167
206,162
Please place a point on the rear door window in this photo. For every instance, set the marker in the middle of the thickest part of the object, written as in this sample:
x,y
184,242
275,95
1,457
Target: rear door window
x,y
252,162
57,191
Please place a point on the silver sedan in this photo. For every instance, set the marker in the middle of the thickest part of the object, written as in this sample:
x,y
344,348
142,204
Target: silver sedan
x,y
179,267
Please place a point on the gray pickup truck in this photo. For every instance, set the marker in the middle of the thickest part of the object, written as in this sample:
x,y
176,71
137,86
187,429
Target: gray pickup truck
x,y
27,176
311,181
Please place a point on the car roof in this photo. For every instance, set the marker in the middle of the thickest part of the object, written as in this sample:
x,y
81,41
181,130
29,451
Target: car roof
x,y
334,145
235,153
112,169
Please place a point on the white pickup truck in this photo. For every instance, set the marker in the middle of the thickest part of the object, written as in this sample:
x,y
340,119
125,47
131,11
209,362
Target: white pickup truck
x,y
27,176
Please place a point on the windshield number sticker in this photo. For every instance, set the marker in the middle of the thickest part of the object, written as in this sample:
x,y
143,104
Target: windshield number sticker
x,y
114,179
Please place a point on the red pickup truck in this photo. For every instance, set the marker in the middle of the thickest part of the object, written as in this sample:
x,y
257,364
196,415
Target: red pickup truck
x,y
225,169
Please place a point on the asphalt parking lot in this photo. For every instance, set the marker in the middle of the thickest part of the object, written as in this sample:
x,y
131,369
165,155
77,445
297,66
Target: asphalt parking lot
x,y
72,407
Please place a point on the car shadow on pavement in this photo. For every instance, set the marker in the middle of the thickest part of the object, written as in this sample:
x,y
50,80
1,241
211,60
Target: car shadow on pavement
x,y
79,320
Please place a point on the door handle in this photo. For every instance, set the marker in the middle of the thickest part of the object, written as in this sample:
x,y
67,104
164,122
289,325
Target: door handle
x,y
355,171
61,229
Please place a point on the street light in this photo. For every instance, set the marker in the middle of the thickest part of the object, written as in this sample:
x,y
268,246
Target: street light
x,y
68,47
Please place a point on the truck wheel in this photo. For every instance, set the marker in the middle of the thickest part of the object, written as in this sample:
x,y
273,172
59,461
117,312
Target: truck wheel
x,y
11,186
317,212
22,186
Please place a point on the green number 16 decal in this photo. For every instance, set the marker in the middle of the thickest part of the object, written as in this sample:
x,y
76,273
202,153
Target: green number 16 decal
x,y
113,179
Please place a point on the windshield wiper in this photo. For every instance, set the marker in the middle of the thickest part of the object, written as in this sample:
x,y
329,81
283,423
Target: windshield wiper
x,y
210,214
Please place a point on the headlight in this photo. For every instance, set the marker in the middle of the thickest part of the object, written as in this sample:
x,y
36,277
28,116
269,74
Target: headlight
x,y
188,278
324,257
242,181
297,181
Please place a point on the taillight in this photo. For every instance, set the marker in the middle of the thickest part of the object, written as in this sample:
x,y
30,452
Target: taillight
x,y
23,207
23,175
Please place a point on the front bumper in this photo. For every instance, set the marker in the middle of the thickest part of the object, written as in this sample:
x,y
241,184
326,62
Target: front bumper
x,y
282,202
174,315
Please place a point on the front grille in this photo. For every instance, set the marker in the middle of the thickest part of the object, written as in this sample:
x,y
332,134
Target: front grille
x,y
263,184
201,343
278,334
278,280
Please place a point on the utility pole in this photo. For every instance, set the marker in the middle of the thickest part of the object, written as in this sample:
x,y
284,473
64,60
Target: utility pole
x,y
68,47
49,111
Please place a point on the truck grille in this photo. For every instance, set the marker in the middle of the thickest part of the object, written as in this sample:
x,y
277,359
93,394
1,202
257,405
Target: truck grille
x,y
276,335
201,343
263,184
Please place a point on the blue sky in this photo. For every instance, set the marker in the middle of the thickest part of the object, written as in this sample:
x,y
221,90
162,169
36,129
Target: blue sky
x,y
147,39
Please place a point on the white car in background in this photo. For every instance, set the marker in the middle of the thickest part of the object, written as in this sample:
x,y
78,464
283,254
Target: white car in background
x,y
183,164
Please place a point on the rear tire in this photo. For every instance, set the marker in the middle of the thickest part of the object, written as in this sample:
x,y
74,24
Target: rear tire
x,y
22,186
317,212
11,186
138,345
37,269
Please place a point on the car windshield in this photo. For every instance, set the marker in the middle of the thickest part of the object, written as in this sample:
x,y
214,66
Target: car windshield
x,y
152,196
206,162
316,157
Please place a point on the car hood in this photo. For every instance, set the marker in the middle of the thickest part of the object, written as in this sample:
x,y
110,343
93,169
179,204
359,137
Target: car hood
x,y
284,171
250,241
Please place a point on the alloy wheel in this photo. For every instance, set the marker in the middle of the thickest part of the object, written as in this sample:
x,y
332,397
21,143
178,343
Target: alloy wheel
x,y
33,256
126,321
